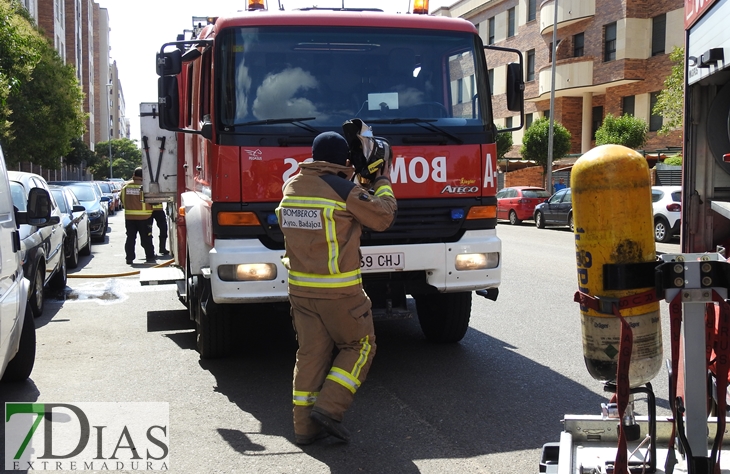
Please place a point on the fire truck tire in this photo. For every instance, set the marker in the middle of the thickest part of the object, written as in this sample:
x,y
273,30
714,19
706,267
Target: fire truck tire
x,y
20,366
444,317
213,332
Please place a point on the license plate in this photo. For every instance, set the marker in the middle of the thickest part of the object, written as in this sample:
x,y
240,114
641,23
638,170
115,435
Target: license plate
x,y
382,261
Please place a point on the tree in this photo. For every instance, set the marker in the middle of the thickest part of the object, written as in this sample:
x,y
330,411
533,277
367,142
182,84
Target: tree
x,y
675,160
46,111
79,154
127,157
670,102
625,130
535,141
18,56
504,144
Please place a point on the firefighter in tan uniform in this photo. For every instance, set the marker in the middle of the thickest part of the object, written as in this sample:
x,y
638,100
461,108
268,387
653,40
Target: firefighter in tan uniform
x,y
137,219
321,215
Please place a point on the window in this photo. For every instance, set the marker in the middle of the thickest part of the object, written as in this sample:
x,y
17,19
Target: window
x,y
511,22
528,121
578,43
655,121
490,74
490,38
597,120
460,91
546,114
658,34
609,42
508,122
531,9
627,106
531,65
550,52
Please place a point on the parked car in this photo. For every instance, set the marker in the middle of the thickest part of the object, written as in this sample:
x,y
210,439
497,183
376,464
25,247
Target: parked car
x,y
17,329
75,221
517,203
667,207
556,211
108,191
96,205
42,247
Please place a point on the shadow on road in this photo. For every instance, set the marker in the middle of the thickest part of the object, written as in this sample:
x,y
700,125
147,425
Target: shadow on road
x,y
422,401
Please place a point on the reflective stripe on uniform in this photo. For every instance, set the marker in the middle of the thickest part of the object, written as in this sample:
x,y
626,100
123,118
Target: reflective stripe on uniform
x,y
351,380
328,207
305,399
385,190
314,280
138,213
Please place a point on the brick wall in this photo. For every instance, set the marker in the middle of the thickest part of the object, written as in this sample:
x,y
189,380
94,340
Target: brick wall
x,y
532,176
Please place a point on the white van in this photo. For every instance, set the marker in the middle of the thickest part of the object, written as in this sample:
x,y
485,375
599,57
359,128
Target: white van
x,y
17,328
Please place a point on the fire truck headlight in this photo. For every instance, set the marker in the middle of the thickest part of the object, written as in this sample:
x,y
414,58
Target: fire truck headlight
x,y
247,272
477,261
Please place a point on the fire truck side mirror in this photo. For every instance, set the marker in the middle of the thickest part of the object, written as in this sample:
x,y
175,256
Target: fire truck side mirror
x,y
168,103
169,64
515,87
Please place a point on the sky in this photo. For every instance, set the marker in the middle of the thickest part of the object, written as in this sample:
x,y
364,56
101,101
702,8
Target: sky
x,y
140,27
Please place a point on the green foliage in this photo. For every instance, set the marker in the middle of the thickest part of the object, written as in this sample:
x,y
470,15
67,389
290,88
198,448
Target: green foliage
x,y
626,130
127,157
504,144
19,54
79,154
674,160
536,139
40,97
670,102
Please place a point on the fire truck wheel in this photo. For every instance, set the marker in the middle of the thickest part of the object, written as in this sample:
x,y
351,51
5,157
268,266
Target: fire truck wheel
x,y
444,317
213,332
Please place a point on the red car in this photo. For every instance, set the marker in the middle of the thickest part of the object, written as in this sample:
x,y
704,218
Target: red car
x,y
517,203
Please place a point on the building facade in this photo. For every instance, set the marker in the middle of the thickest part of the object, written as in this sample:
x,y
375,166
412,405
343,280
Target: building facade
x,y
612,57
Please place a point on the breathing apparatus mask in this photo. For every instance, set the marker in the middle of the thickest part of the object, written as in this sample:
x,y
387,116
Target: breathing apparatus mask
x,y
367,153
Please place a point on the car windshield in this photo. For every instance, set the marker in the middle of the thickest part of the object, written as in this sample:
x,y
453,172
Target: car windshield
x,y
60,201
18,193
105,188
535,193
306,78
83,193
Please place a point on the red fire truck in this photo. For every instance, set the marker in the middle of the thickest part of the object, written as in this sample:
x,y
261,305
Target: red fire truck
x,y
239,106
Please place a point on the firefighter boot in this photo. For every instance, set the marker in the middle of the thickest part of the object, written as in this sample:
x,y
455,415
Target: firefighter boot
x,y
331,426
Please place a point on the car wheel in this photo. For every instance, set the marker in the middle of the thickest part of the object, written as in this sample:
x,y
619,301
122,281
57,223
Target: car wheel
x,y
661,230
513,218
58,281
36,300
539,222
20,366
87,248
103,232
570,222
73,258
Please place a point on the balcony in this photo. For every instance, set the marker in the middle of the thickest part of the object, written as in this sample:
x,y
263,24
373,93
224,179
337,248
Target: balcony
x,y
569,12
571,74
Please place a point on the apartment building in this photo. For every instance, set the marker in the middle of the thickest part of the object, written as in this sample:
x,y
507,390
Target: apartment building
x,y
80,33
612,57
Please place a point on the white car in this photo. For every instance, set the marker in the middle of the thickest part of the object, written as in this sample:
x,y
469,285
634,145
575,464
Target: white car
x,y
667,206
17,328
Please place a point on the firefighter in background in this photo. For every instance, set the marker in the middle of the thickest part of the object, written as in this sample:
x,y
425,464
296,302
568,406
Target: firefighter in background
x,y
159,216
321,215
137,219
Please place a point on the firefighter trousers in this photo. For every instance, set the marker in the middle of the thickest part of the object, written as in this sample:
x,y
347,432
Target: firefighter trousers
x,y
321,383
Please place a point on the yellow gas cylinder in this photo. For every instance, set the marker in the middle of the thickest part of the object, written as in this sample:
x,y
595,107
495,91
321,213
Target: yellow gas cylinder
x,y
612,217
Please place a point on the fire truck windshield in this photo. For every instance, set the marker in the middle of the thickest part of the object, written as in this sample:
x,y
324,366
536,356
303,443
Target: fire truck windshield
x,y
326,75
